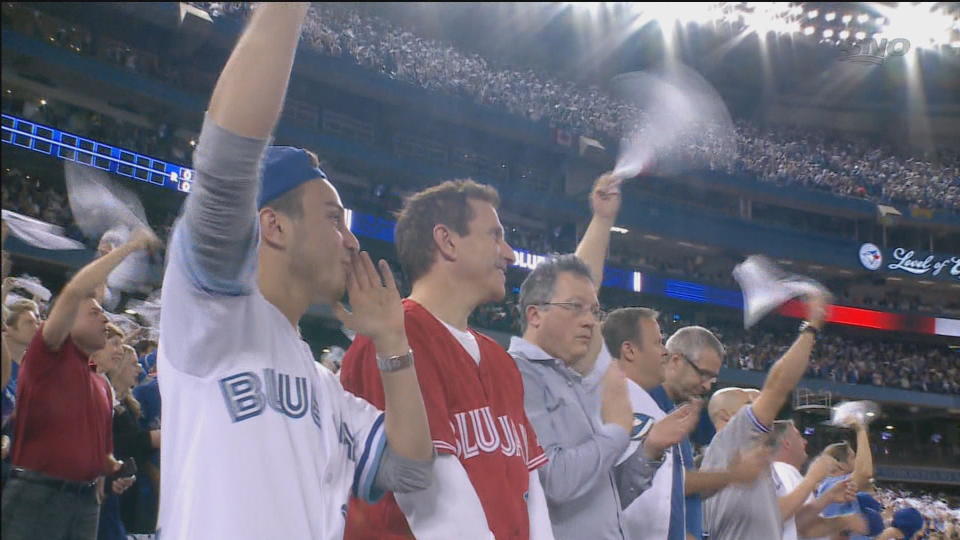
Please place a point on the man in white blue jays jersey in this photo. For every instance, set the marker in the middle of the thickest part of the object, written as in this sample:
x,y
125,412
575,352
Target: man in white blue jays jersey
x,y
259,441
633,336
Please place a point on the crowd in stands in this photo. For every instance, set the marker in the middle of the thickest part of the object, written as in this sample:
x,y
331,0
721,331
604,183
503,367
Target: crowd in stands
x,y
126,364
787,156
855,361
837,358
940,510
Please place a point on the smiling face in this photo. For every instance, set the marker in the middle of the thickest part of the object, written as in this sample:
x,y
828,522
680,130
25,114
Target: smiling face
x,y
483,255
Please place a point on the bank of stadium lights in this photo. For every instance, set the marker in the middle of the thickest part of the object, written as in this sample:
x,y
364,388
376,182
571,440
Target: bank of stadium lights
x,y
924,25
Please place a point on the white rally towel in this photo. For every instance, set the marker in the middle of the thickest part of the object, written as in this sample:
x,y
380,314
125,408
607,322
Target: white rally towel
x,y
39,233
766,287
108,210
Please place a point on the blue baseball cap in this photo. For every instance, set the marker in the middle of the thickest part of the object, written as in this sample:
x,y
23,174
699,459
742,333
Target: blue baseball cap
x,y
874,521
284,169
909,521
867,501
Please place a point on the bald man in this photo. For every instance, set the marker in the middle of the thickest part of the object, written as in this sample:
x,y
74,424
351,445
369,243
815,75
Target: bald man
x,y
744,420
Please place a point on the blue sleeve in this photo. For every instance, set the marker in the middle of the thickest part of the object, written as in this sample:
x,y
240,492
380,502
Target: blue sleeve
x,y
149,397
365,475
216,238
840,509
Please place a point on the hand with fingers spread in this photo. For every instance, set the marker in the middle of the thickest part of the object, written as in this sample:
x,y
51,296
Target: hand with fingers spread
x,y
375,308
672,429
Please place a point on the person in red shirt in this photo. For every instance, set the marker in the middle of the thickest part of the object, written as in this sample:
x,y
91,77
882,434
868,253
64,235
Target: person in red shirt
x,y
451,246
63,442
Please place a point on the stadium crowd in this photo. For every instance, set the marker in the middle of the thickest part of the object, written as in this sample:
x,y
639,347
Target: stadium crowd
x,y
91,376
787,156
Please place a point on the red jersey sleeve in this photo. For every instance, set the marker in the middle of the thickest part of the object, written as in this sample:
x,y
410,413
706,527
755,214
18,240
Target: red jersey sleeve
x,y
536,457
359,375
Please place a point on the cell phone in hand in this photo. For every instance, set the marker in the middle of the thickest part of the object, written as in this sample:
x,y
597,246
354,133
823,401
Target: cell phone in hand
x,y
128,469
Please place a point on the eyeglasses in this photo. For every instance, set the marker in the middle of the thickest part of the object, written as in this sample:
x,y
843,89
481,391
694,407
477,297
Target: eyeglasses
x,y
579,309
704,374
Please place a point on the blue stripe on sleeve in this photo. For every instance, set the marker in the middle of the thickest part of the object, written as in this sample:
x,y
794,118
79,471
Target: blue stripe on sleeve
x,y
756,422
365,474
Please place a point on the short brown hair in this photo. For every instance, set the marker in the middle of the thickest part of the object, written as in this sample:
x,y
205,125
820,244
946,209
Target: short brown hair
x,y
447,204
623,325
17,309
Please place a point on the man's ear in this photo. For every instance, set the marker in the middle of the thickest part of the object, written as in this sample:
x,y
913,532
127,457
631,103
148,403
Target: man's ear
x,y
533,317
445,241
275,228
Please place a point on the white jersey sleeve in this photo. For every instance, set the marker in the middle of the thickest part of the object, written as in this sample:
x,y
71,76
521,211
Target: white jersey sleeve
x,y
362,437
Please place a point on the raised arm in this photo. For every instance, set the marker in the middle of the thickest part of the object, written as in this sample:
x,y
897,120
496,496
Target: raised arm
x,y
84,285
863,464
792,502
220,212
787,372
605,203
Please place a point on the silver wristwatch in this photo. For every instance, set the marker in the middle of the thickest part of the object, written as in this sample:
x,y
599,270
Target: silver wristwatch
x,y
395,363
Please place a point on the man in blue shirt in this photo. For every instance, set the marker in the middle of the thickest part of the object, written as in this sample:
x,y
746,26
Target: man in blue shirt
x,y
693,365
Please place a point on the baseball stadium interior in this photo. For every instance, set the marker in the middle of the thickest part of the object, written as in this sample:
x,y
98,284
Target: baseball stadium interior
x,y
843,170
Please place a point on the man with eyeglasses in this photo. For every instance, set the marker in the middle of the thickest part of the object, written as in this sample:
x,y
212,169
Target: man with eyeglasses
x,y
694,357
582,435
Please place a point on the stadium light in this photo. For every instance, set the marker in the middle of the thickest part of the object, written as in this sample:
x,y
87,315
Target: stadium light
x,y
861,35
809,30
846,19
862,18
844,34
830,16
828,33
881,21
813,14
923,25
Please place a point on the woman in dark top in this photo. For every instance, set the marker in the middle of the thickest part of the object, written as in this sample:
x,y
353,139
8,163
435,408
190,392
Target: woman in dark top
x,y
130,440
